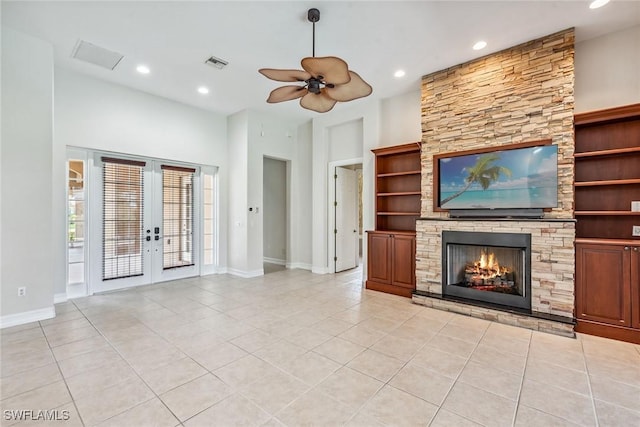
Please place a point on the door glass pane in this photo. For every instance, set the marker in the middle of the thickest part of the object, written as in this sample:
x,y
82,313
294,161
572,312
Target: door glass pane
x,y
75,220
177,217
208,240
123,221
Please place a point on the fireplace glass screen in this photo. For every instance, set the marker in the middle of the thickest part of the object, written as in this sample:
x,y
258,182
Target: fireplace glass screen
x,y
486,268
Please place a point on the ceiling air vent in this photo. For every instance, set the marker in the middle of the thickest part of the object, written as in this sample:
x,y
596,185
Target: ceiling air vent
x,y
96,55
216,62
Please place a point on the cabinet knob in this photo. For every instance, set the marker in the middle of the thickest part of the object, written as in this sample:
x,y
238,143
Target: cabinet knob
x,y
626,248
635,249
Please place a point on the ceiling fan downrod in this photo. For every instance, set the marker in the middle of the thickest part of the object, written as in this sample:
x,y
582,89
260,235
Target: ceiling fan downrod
x,y
313,15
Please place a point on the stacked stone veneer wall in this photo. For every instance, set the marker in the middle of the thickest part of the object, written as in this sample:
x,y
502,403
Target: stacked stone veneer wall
x,y
552,258
520,94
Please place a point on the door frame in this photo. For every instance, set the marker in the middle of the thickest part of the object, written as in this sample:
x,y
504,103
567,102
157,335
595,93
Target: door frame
x,y
331,197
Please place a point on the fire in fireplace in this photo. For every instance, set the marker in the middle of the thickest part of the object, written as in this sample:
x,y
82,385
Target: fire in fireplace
x,y
488,267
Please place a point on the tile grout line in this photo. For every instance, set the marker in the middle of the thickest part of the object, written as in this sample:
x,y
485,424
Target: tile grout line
x,y
524,373
73,400
593,401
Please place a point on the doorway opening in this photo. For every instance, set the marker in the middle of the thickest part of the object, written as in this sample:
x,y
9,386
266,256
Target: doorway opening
x,y
345,241
275,216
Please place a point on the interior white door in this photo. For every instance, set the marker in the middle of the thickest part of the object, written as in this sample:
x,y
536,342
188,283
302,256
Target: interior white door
x,y
346,219
148,217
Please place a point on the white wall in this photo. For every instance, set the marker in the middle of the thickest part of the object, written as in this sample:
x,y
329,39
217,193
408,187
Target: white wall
x,y
400,119
301,211
95,114
237,125
345,141
27,203
607,71
275,209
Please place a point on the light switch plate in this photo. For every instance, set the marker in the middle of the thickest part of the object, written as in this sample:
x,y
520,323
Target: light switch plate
x,y
636,231
635,206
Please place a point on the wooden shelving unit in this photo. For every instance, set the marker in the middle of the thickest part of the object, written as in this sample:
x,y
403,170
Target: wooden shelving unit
x,y
607,180
391,246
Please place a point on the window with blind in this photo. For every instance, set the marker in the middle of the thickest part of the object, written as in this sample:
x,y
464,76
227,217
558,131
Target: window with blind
x,y
177,216
123,222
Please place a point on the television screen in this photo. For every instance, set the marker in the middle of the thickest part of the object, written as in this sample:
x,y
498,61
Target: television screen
x,y
502,179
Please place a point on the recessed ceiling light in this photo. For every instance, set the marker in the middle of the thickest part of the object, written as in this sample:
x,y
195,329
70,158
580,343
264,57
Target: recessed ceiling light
x,y
480,45
597,3
203,90
399,73
143,69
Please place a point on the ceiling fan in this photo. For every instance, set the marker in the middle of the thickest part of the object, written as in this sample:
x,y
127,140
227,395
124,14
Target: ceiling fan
x,y
327,80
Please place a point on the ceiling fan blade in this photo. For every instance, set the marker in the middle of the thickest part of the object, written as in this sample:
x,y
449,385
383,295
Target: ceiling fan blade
x,y
356,88
329,69
286,93
285,75
319,102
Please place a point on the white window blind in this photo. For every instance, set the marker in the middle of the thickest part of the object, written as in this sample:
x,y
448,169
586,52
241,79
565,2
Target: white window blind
x,y
123,222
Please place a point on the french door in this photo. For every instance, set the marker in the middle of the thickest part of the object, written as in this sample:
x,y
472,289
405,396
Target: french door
x,y
148,222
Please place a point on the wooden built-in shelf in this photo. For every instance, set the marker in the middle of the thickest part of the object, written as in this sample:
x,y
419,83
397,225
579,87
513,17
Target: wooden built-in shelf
x,y
607,152
607,182
399,213
391,252
400,193
606,213
404,173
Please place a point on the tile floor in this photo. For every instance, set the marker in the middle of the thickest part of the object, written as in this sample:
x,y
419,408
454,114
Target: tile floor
x,y
293,348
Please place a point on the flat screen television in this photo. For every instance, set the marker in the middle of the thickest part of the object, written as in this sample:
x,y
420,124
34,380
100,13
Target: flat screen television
x,y
518,176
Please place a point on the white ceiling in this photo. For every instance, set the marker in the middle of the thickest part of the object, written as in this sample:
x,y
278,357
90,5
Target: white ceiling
x,y
374,37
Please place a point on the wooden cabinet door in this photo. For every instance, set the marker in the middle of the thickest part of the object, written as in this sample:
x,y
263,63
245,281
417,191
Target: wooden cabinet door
x,y
603,283
379,256
403,261
635,287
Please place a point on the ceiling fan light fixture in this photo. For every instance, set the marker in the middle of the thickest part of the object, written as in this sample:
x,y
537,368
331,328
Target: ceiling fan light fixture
x,y
327,80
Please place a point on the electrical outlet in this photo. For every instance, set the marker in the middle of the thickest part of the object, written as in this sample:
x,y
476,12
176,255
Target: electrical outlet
x,y
22,291
636,231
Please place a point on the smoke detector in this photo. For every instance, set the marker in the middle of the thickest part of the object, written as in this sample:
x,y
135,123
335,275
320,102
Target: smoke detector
x,y
216,62
96,55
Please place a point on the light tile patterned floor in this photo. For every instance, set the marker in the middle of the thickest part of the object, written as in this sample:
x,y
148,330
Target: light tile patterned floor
x,y
293,348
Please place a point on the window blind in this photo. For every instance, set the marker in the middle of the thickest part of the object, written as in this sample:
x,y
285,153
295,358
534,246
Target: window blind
x,y
123,222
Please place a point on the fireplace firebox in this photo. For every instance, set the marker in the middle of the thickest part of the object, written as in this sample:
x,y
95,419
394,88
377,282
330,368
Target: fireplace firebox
x,y
488,267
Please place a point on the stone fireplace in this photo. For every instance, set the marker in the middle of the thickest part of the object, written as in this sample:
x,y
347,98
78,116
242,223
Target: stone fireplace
x,y
521,94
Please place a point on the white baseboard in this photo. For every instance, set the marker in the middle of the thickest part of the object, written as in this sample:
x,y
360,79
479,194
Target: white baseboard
x,y
320,270
27,317
300,265
274,261
60,298
246,274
